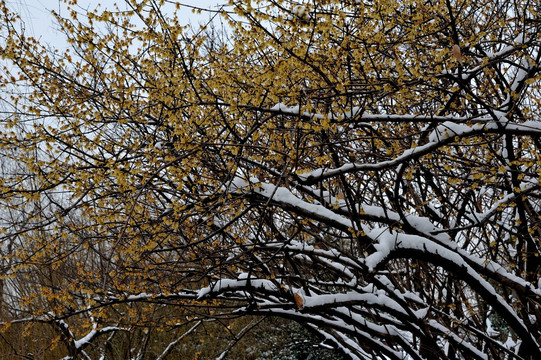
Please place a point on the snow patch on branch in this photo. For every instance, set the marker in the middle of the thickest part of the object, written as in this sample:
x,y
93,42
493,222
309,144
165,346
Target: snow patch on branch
x,y
440,136
446,130
508,49
223,285
457,339
390,242
283,108
285,197
378,297
93,333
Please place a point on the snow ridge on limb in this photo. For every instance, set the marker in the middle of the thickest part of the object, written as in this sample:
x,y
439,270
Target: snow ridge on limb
x,y
398,245
357,114
342,329
77,346
443,135
233,285
286,198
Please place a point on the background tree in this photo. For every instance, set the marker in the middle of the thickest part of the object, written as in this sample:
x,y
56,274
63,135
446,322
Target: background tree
x,y
366,169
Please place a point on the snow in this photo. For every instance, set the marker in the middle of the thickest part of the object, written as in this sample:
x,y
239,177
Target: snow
x,y
297,246
389,243
284,196
141,296
378,297
496,268
86,339
525,187
439,137
508,49
500,116
243,276
355,111
457,339
522,74
486,123
345,340
406,155
422,313
450,129
490,329
175,342
343,328
283,108
232,285
530,125
301,12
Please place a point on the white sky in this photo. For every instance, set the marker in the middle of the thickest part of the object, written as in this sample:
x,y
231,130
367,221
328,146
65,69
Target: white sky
x,y
40,24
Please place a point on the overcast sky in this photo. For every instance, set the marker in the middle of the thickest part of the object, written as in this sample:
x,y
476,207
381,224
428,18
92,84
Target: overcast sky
x,y
40,24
